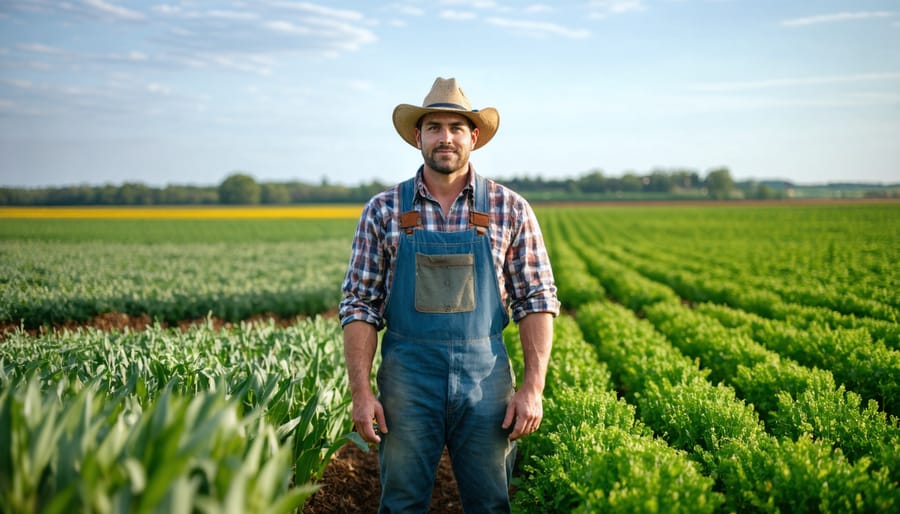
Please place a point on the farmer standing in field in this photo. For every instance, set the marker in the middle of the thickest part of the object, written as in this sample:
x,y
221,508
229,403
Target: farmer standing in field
x,y
441,261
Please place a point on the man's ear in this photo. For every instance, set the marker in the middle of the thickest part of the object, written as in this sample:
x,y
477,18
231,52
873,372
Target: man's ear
x,y
418,139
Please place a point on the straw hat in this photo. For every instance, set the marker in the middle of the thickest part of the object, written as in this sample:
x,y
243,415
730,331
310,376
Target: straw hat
x,y
446,96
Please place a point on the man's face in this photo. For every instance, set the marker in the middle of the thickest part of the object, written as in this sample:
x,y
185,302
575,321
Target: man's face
x,y
446,141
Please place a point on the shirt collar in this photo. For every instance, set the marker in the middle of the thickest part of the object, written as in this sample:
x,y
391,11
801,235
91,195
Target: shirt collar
x,y
423,193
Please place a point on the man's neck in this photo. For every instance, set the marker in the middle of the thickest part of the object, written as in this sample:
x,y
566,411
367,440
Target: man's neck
x,y
446,187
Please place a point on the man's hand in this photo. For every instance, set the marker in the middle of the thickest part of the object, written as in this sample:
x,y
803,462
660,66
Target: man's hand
x,y
367,415
524,414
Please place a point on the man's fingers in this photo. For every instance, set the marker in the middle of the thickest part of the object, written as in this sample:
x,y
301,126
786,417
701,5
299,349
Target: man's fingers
x,y
524,427
368,433
380,422
510,415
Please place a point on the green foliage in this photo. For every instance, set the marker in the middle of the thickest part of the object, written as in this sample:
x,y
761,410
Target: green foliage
x,y
247,231
591,455
724,359
165,420
869,367
724,433
239,189
50,283
803,476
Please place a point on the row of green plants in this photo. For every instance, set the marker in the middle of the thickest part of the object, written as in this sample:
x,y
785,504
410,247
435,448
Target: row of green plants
x,y
743,290
47,282
869,367
849,247
775,434
864,365
206,420
837,257
592,454
793,400
756,471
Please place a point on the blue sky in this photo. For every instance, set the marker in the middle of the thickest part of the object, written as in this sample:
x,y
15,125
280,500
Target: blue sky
x,y
187,92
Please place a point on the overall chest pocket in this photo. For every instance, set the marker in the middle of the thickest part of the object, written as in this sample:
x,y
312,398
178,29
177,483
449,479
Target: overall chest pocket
x,y
445,283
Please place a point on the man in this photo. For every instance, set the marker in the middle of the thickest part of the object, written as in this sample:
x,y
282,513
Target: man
x,y
440,261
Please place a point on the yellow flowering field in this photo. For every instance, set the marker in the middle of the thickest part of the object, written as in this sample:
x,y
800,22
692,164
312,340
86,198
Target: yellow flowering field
x,y
186,212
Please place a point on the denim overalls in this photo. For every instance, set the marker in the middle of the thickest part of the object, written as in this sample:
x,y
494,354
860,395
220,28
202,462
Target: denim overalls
x,y
445,377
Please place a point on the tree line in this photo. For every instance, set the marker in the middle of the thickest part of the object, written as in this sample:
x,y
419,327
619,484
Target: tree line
x,y
240,188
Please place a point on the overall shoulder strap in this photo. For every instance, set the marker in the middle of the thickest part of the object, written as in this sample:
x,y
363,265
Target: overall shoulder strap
x,y
479,216
410,219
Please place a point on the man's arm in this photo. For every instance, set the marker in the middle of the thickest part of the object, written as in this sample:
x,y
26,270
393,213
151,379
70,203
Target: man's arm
x,y
526,411
360,342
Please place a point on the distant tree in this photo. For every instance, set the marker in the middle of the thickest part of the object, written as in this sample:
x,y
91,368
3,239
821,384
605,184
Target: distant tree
x,y
240,189
719,184
659,181
593,182
632,182
686,179
134,193
275,194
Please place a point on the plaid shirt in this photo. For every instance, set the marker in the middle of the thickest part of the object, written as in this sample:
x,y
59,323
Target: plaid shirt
x,y
520,258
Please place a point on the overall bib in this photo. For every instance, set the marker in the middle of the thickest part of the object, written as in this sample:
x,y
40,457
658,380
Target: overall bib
x,y
445,377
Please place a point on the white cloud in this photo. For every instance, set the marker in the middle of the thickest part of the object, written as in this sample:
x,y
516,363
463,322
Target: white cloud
x,y
157,88
404,9
327,12
20,84
457,15
603,8
236,39
478,4
39,48
539,29
114,12
285,27
836,17
231,15
538,9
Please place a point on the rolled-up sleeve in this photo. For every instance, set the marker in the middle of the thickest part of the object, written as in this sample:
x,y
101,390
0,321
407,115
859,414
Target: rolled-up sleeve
x,y
364,288
529,275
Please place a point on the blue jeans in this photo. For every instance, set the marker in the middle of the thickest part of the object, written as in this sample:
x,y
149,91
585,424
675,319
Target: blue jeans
x,y
445,393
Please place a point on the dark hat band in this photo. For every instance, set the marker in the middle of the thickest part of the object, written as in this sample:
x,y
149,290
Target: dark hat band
x,y
445,104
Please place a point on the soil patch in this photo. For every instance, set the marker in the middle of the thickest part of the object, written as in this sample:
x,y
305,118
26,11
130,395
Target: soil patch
x,y
350,485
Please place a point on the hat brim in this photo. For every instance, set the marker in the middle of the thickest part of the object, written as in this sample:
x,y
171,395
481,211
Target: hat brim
x,y
406,117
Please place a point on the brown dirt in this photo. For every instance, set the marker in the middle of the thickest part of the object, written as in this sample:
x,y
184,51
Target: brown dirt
x,y
121,321
350,485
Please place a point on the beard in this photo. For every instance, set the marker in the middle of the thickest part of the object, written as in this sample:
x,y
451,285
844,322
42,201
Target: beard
x,y
444,163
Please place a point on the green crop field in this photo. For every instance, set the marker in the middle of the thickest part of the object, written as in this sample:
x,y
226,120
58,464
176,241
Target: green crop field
x,y
711,358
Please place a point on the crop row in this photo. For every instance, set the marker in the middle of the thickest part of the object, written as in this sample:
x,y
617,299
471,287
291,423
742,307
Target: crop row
x,y
827,255
592,454
240,420
869,367
55,282
757,472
